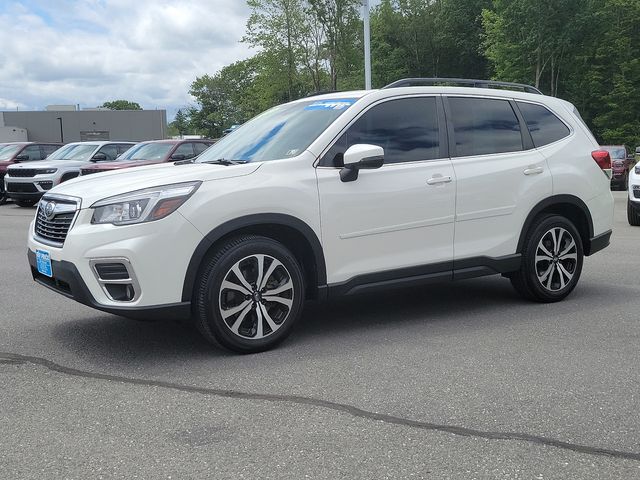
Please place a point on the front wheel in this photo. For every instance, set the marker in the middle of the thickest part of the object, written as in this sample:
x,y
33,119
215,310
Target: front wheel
x,y
552,260
633,214
249,294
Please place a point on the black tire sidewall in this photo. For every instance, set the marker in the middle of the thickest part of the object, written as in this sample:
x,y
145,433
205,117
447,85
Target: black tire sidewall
x,y
210,291
541,227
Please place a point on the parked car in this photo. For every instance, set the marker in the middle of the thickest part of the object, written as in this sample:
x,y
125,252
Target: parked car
x,y
637,157
26,182
633,202
621,164
148,153
335,195
15,152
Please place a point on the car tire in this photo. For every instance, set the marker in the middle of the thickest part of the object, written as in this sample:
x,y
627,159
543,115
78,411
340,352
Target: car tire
x,y
232,305
25,203
552,258
3,194
633,214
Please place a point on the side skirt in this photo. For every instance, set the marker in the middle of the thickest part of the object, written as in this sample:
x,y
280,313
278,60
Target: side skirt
x,y
421,275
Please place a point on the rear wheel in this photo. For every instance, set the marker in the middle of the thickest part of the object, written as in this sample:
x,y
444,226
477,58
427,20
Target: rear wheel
x,y
633,214
25,203
249,294
551,260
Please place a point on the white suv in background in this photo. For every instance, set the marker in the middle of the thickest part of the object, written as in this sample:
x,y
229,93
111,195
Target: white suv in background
x,y
335,195
26,182
633,203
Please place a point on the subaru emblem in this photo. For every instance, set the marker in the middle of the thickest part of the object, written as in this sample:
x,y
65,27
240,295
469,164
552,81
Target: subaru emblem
x,y
50,210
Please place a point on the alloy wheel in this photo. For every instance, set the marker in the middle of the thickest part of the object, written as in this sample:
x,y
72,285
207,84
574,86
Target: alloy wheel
x,y
556,259
256,296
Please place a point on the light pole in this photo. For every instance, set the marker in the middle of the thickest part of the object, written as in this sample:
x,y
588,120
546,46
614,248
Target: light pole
x,y
367,46
61,132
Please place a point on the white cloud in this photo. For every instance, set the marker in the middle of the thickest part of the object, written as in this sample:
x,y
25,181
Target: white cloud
x,y
91,51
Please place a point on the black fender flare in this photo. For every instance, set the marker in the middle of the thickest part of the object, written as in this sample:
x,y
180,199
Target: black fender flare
x,y
250,221
549,202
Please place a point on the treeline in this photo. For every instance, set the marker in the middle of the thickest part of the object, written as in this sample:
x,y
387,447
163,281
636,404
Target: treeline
x,y
585,51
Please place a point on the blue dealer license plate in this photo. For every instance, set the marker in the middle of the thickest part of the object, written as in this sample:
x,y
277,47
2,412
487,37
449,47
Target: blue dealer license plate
x,y
43,262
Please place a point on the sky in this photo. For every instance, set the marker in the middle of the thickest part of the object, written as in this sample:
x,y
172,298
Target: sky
x,y
90,51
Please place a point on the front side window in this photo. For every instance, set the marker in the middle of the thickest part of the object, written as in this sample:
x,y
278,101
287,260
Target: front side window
x,y
74,152
49,149
407,130
484,126
111,151
33,152
200,147
544,126
185,149
282,132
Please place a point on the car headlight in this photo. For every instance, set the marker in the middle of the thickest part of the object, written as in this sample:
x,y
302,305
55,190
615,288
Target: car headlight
x,y
143,205
42,171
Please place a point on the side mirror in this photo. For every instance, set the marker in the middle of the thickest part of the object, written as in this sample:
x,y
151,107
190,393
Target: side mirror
x,y
178,156
99,157
21,158
360,156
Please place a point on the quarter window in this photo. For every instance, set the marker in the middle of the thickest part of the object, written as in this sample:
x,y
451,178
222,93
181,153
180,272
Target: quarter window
x,y
544,126
407,130
483,126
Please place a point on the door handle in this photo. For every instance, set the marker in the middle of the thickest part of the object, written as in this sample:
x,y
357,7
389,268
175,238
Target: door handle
x,y
437,179
533,170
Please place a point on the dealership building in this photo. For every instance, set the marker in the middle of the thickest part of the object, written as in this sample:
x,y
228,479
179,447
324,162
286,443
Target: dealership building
x,y
64,123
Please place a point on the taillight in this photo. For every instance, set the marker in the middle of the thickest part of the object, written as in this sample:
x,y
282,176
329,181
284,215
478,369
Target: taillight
x,y
602,158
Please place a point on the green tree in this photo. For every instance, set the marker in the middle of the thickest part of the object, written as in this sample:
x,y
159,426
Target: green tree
x,y
121,105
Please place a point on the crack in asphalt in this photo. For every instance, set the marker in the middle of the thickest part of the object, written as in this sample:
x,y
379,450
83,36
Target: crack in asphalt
x,y
17,359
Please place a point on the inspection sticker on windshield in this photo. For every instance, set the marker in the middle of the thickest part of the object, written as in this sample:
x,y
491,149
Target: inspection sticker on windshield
x,y
43,263
334,104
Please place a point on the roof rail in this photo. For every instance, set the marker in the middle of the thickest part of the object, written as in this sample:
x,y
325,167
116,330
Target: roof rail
x,y
468,82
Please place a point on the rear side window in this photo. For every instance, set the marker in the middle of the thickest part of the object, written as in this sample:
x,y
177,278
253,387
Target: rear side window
x,y
407,130
544,126
483,126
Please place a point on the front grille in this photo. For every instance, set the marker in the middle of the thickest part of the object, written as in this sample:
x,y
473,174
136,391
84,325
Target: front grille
x,y
21,187
88,171
55,229
22,172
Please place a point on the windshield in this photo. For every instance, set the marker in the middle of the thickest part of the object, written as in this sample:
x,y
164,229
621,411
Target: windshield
x,y
616,153
281,132
146,151
8,151
73,152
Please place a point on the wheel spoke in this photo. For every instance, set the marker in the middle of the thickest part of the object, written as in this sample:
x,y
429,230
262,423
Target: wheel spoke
x,y
259,323
555,241
275,264
281,289
551,276
236,269
546,274
232,311
544,249
564,272
569,256
260,260
572,244
285,301
543,258
227,285
238,321
268,318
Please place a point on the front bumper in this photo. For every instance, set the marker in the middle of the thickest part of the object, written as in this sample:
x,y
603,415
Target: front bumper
x,y
27,188
157,252
68,282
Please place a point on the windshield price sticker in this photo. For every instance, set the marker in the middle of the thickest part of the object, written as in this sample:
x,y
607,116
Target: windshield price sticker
x,y
335,104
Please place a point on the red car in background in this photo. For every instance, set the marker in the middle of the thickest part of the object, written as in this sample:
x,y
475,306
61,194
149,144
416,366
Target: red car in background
x,y
153,151
15,152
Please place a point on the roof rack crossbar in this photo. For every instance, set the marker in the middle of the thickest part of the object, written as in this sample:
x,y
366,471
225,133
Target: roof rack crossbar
x,y
469,82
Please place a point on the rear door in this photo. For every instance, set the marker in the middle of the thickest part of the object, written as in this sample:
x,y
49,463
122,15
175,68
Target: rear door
x,y
500,175
395,221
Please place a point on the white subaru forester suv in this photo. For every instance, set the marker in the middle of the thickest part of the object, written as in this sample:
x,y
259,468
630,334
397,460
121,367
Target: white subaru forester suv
x,y
335,195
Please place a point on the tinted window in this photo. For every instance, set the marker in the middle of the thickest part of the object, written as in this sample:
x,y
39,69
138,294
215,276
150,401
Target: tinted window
x,y
483,126
185,149
407,129
544,126
111,151
200,147
33,152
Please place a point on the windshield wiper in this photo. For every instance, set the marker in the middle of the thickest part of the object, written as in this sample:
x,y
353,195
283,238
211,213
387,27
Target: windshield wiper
x,y
225,161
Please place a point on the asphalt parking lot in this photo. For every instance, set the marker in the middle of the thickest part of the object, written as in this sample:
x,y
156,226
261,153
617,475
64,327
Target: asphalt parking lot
x,y
461,380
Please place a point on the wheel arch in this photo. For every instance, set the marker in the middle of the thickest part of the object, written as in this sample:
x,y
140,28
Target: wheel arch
x,y
570,207
292,232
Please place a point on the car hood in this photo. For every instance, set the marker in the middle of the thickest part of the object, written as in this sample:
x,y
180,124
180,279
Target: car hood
x,y
92,188
51,164
121,164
